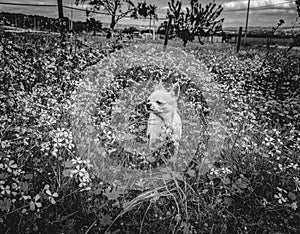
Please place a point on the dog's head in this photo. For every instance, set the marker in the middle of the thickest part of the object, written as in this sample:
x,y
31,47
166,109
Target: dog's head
x,y
162,101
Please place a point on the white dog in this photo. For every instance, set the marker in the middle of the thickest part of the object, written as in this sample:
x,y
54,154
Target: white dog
x,y
164,121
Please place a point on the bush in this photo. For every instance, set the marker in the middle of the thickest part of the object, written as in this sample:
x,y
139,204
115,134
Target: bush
x,y
70,162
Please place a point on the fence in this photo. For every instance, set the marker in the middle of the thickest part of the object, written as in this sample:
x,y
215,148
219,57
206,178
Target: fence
x,y
256,38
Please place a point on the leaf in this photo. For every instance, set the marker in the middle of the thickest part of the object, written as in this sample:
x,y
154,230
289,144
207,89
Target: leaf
x,y
101,151
112,195
3,176
292,196
186,228
166,176
37,197
28,176
173,160
97,191
226,181
129,137
69,164
5,204
52,200
24,186
242,184
142,127
191,173
140,183
179,176
32,206
228,201
164,170
151,159
105,220
48,192
66,173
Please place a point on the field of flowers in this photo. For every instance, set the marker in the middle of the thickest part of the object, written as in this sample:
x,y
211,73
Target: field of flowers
x,y
73,149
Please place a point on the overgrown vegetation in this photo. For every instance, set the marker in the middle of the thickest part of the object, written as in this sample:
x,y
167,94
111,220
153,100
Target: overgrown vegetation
x,y
62,128
196,20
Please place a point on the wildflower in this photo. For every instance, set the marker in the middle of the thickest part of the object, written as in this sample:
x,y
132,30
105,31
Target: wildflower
x,y
294,206
297,183
5,190
45,146
264,202
78,160
10,166
51,195
35,203
4,144
268,141
280,198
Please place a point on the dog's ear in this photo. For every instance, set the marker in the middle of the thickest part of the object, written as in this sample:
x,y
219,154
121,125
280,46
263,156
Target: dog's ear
x,y
159,86
175,90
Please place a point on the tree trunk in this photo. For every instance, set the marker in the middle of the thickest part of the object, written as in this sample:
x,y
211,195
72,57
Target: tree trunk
x,y
184,43
200,41
113,22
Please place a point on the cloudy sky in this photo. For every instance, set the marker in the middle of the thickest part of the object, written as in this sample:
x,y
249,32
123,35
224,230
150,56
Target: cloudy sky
x,y
262,12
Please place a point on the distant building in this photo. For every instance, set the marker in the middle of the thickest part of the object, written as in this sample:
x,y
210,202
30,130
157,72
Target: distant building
x,y
137,35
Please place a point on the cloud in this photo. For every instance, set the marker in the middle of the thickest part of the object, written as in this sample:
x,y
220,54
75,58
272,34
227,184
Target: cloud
x,y
258,5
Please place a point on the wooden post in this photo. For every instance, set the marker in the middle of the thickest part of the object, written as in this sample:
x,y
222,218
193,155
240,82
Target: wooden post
x,y
153,29
34,23
61,16
71,27
60,9
167,32
246,29
239,39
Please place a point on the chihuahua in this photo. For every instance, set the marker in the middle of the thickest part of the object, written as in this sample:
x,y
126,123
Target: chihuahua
x,y
164,122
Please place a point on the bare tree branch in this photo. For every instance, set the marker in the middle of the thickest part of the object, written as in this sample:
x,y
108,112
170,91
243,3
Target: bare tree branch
x,y
115,8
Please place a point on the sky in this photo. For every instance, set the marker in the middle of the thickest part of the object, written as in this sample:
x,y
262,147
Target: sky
x,y
264,13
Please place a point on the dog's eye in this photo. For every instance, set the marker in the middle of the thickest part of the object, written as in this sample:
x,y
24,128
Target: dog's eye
x,y
159,102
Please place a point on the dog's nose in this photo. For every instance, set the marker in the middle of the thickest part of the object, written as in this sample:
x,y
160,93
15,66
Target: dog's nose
x,y
148,106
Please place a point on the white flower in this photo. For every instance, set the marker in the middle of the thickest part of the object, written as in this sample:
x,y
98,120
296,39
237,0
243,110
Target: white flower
x,y
294,206
5,189
280,198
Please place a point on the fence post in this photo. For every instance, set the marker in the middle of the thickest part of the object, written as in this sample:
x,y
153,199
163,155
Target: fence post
x,y
239,39
167,32
60,9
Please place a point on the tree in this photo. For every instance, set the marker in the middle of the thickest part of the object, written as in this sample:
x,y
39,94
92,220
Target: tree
x,y
152,13
196,20
117,9
296,37
297,2
145,10
162,30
